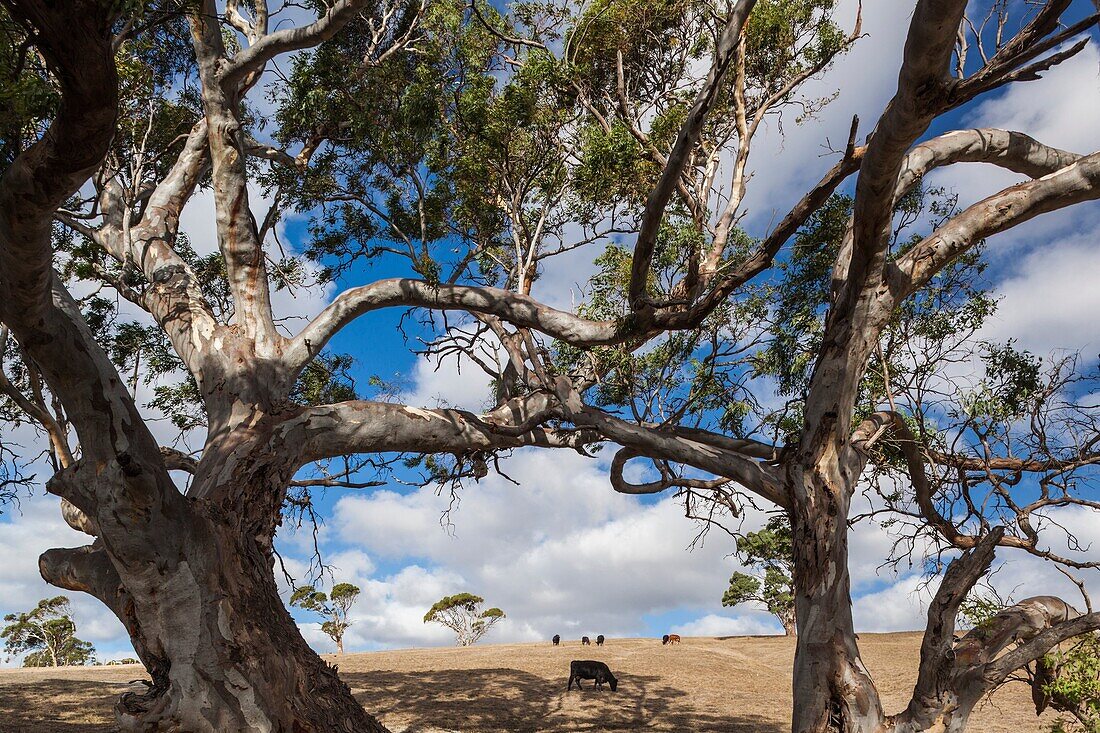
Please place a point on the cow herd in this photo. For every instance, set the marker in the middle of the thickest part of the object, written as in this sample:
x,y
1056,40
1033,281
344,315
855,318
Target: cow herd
x,y
585,641
590,669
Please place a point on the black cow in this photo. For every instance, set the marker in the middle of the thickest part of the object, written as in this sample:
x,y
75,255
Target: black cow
x,y
664,639
599,640
591,670
557,639
585,641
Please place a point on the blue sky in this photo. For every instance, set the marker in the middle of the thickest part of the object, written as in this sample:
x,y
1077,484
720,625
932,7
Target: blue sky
x,y
563,553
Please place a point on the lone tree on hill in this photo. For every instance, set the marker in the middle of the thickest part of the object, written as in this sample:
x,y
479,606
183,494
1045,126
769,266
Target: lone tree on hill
x,y
462,614
464,146
769,550
333,607
48,633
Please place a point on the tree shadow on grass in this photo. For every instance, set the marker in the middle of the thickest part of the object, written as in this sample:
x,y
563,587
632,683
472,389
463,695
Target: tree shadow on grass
x,y
61,706
514,701
499,700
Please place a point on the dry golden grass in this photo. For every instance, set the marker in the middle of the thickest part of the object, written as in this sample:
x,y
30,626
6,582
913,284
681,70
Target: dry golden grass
x,y
737,684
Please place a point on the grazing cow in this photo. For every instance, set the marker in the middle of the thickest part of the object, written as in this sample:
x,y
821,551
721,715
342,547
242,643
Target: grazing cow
x,y
557,639
585,641
599,640
664,639
670,639
591,670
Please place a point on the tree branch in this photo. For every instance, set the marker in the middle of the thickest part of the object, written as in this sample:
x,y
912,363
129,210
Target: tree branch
x,y
758,477
1075,183
42,315
922,86
268,47
937,658
682,150
520,310
361,426
667,481
75,41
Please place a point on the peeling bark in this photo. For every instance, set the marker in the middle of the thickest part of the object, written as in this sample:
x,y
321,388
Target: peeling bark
x,y
832,688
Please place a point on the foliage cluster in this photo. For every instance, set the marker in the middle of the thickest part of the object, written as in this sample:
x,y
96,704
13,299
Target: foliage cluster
x,y
768,550
462,614
1071,681
333,607
47,635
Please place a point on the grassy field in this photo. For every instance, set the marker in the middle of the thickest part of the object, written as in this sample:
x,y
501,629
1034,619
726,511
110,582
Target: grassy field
x,y
736,684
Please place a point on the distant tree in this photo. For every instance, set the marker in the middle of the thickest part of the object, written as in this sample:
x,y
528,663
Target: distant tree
x,y
768,550
334,608
48,633
462,614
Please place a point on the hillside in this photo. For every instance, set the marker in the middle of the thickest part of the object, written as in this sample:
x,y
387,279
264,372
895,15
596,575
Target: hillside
x,y
734,684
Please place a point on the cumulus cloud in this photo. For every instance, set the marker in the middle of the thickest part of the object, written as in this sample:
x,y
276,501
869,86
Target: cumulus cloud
x,y
1049,298
26,532
901,605
560,553
456,381
717,625
563,553
788,157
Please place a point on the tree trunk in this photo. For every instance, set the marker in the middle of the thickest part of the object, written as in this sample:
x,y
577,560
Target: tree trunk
x,y
790,628
223,652
832,689
236,658
340,645
950,714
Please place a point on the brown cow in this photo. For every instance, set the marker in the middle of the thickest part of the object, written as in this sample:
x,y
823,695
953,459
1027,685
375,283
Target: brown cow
x,y
670,639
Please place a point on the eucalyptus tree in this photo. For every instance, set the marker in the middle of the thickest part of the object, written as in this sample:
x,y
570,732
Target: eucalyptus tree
x,y
466,147
462,614
769,550
333,607
46,635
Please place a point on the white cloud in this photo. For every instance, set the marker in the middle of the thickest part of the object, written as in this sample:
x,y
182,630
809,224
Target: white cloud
x,y
390,610
900,606
788,159
1060,110
561,553
456,381
1049,298
716,625
25,533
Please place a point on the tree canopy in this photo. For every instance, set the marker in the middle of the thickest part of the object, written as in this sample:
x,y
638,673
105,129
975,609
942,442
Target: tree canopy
x,y
446,155
333,607
462,614
46,635
769,550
